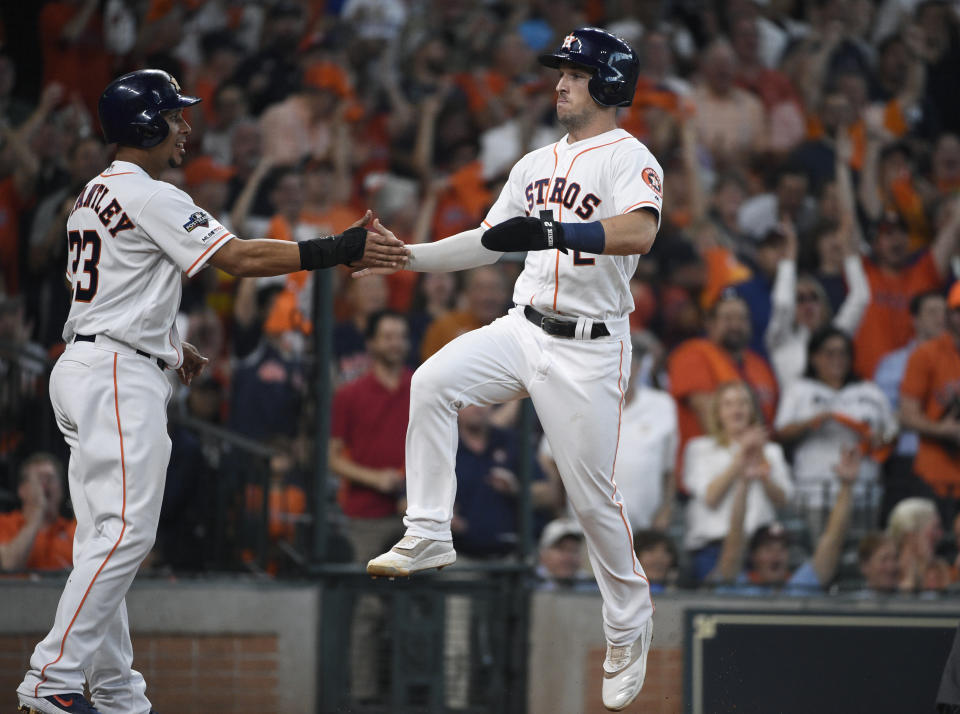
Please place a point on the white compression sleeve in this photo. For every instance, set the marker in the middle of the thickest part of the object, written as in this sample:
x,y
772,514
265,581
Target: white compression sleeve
x,y
458,252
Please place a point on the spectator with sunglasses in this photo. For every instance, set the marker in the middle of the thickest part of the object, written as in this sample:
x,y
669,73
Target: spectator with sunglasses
x,y
800,305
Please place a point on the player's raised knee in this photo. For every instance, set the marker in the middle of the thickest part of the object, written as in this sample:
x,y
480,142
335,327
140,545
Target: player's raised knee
x,y
430,385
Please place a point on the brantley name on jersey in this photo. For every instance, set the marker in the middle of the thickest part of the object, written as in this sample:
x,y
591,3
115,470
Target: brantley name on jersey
x,y
92,197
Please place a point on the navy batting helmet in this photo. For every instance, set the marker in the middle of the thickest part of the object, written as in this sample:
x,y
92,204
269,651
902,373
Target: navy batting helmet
x,y
612,61
130,107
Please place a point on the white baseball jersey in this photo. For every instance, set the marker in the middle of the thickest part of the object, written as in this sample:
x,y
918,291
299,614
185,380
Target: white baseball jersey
x,y
129,238
857,403
589,180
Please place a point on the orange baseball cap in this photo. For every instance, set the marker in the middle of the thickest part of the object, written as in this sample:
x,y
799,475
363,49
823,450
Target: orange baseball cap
x,y
326,75
204,169
953,298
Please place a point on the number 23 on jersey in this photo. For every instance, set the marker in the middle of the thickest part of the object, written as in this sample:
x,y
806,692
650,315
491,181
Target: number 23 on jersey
x,y
84,247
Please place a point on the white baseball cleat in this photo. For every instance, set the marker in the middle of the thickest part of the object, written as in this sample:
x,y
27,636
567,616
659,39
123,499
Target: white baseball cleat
x,y
624,670
413,554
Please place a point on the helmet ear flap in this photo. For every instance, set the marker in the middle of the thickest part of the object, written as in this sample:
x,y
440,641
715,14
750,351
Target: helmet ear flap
x,y
606,93
152,132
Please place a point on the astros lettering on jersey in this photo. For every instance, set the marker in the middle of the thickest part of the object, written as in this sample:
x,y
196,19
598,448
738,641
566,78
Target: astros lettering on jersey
x,y
589,180
129,240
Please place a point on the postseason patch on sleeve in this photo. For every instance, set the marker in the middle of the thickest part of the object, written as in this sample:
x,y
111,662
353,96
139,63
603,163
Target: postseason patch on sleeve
x,y
198,218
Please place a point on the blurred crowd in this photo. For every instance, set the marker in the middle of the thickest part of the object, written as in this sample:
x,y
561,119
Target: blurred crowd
x,y
793,417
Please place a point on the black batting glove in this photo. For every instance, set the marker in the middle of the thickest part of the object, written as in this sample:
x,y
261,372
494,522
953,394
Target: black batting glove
x,y
520,234
341,249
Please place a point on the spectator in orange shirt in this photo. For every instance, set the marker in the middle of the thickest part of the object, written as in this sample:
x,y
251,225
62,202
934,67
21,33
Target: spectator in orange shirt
x,y
698,366
930,404
895,277
890,181
486,297
37,537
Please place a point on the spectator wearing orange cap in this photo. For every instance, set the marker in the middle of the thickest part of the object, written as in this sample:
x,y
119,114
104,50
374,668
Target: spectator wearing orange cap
x,y
301,125
930,404
895,276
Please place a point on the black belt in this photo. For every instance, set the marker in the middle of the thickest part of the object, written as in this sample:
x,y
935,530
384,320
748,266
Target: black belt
x,y
93,338
562,328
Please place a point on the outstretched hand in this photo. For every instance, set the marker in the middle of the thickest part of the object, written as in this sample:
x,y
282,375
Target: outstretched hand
x,y
384,253
847,468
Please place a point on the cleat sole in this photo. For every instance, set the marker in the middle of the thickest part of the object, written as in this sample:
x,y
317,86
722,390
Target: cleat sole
x,y
387,571
391,571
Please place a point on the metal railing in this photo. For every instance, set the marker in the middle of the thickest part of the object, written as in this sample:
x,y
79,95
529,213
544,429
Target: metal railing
x,y
433,643
243,464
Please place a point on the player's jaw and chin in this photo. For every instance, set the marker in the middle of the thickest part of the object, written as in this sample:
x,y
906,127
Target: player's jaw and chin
x,y
176,140
573,119
575,107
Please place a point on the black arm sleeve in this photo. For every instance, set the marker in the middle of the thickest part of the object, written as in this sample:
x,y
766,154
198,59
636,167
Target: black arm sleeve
x,y
340,249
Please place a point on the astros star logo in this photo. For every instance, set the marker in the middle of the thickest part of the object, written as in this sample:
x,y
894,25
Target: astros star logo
x,y
568,42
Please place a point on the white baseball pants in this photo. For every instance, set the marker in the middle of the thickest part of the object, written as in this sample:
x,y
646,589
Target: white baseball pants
x,y
110,404
577,389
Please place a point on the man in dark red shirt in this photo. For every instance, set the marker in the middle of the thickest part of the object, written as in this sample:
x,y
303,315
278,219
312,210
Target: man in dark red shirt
x,y
367,452
368,433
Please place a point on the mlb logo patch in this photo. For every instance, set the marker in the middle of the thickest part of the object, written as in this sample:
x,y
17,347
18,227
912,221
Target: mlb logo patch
x,y
196,219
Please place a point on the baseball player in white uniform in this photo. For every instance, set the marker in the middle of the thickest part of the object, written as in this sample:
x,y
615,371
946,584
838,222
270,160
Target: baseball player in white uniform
x,y
585,208
130,238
